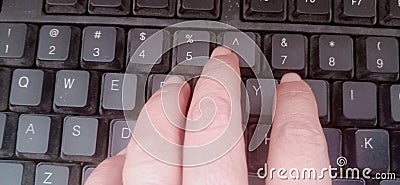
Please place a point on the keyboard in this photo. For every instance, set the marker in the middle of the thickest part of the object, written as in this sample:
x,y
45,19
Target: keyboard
x,y
62,63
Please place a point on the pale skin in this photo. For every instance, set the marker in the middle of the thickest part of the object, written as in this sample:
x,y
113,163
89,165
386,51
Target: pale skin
x,y
297,139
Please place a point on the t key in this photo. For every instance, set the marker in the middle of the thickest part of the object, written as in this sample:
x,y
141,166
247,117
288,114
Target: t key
x,y
358,101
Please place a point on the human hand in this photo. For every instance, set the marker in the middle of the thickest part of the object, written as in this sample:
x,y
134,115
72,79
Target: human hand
x,y
297,139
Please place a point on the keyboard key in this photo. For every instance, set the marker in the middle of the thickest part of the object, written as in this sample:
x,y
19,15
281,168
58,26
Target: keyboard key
x,y
147,50
65,6
287,52
389,13
258,158
350,96
158,8
155,82
109,7
395,151
5,82
378,59
87,171
60,174
356,12
18,44
113,101
331,57
8,130
271,10
389,105
310,10
245,45
320,89
334,141
368,149
348,182
76,92
207,9
56,49
33,137
390,182
120,136
192,44
260,96
30,92
81,140
17,172
103,48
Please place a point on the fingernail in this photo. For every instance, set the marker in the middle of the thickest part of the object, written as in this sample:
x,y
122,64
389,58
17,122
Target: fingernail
x,y
220,51
290,77
175,79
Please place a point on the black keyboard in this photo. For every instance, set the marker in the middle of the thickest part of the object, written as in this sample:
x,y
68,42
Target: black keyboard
x,y
62,65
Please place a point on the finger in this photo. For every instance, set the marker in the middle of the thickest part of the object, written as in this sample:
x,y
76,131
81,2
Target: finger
x,y
297,139
108,172
155,154
214,114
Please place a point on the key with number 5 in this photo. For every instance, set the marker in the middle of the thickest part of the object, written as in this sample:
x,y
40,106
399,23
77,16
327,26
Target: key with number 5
x,y
103,48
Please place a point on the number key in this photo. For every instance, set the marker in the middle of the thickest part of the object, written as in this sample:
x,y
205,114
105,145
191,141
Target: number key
x,y
378,59
332,57
102,48
288,53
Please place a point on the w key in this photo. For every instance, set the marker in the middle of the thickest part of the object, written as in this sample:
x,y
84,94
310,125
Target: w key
x,y
358,102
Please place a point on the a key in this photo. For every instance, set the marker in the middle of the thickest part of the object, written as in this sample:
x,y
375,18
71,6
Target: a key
x,y
245,45
103,48
65,6
86,172
76,92
114,101
38,137
120,135
367,149
271,10
5,82
331,57
395,151
334,141
208,9
55,48
358,102
109,7
60,174
378,59
192,44
155,82
310,10
389,13
390,182
261,97
348,182
255,180
147,50
356,12
8,130
18,44
256,159
30,92
17,172
287,52
81,139
389,104
159,8
320,89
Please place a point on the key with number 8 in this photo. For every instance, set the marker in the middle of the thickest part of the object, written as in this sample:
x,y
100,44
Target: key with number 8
x,y
331,57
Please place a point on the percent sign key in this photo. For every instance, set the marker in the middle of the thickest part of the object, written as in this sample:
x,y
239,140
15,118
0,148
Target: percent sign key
x,y
192,44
